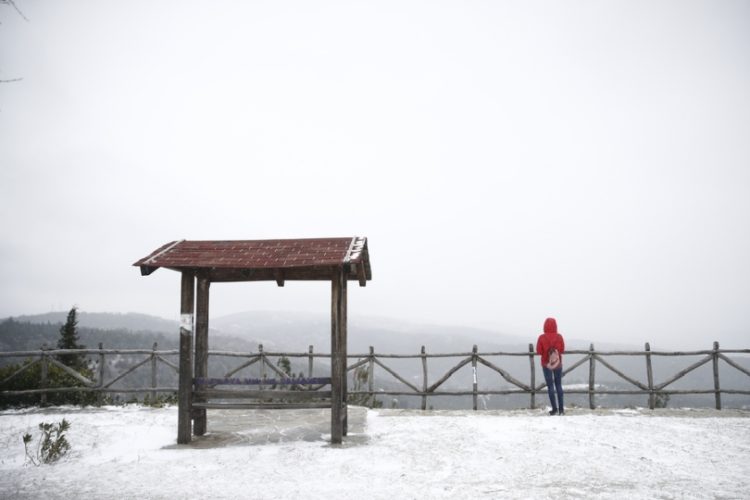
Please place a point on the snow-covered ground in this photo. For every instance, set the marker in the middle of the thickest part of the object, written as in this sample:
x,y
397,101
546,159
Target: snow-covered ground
x,y
130,452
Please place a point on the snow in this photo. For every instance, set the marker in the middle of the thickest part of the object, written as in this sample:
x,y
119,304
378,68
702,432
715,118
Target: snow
x,y
130,452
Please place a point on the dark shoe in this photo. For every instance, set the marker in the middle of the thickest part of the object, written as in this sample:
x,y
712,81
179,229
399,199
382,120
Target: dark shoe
x,y
561,413
553,412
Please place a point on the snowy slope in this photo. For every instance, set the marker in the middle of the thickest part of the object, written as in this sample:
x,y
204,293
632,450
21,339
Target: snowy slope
x,y
129,452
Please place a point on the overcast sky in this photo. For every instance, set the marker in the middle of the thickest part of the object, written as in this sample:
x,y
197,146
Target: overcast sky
x,y
507,161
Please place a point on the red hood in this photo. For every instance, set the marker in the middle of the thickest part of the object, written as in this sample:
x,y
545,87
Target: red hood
x,y
550,325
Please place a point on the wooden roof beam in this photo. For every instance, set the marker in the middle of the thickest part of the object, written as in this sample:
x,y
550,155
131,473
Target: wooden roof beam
x,y
279,275
361,274
146,270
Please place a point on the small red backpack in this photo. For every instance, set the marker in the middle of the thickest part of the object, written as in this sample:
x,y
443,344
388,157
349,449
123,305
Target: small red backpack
x,y
554,359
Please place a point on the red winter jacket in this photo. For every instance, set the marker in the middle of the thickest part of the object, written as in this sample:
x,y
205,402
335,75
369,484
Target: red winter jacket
x,y
549,339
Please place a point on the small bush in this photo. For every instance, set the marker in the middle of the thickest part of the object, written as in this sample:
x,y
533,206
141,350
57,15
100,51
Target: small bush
x,y
661,400
161,400
52,446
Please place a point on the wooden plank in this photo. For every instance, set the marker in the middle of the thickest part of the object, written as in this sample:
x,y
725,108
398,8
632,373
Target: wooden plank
x,y
621,374
735,365
255,359
357,364
684,372
507,376
86,389
127,372
274,369
21,370
72,373
267,394
574,365
88,352
396,376
448,374
185,391
168,363
261,406
212,382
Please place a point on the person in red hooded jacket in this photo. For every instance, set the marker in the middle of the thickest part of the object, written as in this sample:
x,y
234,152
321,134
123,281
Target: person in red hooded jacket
x,y
550,346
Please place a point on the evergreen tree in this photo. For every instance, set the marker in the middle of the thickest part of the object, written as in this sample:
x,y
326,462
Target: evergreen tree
x,y
69,340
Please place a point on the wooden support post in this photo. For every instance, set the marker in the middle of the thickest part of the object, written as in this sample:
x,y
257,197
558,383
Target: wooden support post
x,y
185,393
371,376
592,380
337,359
532,377
345,355
474,375
424,379
261,366
43,376
201,347
101,374
650,378
309,365
717,387
153,373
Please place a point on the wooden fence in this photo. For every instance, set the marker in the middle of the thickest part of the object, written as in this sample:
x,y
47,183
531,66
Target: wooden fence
x,y
366,364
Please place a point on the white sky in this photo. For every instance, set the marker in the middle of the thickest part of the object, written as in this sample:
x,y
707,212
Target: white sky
x,y
508,161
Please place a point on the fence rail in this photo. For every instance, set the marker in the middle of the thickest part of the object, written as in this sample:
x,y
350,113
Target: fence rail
x,y
364,368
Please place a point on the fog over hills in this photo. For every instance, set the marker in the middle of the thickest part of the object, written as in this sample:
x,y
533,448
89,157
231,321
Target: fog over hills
x,y
295,331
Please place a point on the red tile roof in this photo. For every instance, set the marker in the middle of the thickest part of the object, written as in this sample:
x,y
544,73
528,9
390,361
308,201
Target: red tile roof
x,y
250,260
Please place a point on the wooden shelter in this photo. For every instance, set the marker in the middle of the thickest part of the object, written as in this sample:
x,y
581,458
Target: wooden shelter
x,y
337,260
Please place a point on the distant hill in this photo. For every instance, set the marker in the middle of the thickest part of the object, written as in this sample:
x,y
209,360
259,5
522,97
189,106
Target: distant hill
x,y
107,321
113,330
290,330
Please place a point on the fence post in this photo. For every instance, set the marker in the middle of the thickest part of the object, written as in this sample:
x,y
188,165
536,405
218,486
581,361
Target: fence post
x,y
262,363
153,374
592,369
424,379
717,387
101,373
650,377
309,365
43,379
533,376
371,376
474,372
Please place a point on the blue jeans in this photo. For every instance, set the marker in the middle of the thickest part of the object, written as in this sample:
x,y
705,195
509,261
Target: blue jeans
x,y
554,384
